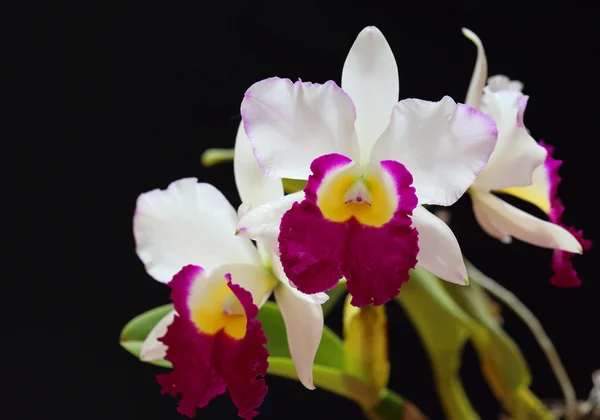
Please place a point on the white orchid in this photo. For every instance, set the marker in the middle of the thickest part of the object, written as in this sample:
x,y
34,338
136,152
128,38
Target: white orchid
x,y
191,225
374,162
519,166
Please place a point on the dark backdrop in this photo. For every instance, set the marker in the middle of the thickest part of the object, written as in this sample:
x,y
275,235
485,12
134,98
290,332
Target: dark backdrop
x,y
124,99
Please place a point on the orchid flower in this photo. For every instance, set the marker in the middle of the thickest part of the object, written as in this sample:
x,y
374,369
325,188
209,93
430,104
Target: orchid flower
x,y
370,162
212,338
523,168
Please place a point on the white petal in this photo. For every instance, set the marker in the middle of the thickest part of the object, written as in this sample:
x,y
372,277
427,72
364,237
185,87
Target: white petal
x,y
482,215
370,77
479,72
318,298
304,325
152,349
444,146
500,82
188,223
439,252
262,223
291,124
243,209
517,154
253,187
521,225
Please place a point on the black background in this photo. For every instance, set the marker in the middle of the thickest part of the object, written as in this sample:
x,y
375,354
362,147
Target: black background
x,y
116,100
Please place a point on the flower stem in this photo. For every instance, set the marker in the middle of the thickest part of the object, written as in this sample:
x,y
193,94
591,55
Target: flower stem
x,y
540,335
392,406
389,407
212,157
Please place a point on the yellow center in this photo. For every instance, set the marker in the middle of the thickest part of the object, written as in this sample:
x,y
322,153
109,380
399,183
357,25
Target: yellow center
x,y
365,198
210,318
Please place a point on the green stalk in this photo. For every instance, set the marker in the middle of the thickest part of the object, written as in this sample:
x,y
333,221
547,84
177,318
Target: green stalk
x,y
540,335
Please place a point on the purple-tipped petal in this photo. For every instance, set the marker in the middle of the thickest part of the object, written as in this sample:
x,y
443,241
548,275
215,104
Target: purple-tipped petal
x,y
444,145
290,124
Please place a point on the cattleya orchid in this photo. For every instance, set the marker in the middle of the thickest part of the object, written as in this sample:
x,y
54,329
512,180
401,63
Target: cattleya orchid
x,y
523,168
212,337
367,165
370,163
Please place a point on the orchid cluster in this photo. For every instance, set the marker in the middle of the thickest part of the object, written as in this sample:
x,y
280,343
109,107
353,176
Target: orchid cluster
x,y
337,185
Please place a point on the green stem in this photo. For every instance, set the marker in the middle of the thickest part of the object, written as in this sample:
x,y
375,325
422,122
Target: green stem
x,y
212,157
427,303
390,406
383,404
540,335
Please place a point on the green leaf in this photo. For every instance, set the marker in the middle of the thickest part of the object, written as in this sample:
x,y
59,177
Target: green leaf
x,y
444,329
502,363
496,347
136,331
446,316
330,379
139,327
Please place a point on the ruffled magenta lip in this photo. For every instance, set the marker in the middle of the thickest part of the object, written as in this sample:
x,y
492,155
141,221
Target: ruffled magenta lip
x,y
317,252
204,365
564,274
